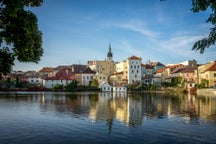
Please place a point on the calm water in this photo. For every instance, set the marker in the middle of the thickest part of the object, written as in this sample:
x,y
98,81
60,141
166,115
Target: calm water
x,y
106,118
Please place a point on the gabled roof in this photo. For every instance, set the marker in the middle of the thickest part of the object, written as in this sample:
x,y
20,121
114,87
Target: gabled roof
x,y
147,66
88,71
78,68
64,74
156,64
160,70
183,69
62,67
134,57
189,69
46,69
212,67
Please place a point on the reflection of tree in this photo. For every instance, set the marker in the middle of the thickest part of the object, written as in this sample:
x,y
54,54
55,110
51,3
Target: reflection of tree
x,y
93,98
130,109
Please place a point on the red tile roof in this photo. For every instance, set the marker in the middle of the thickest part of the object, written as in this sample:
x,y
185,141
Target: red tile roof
x,y
134,57
160,70
64,74
46,69
212,67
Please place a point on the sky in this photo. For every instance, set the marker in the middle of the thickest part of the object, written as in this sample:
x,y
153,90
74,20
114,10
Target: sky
x,y
75,31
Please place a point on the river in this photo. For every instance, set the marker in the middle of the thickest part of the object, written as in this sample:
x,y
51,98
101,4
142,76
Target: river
x,y
91,118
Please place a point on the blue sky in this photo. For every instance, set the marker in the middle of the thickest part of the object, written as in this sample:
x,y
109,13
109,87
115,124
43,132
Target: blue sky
x,y
75,31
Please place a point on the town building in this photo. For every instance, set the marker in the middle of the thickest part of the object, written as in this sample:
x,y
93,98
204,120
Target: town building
x,y
206,72
103,68
63,77
87,76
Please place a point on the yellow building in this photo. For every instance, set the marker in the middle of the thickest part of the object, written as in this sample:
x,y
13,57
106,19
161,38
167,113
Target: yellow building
x,y
103,68
206,72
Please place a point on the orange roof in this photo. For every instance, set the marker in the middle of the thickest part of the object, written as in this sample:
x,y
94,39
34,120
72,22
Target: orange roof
x,y
134,57
46,69
160,70
212,67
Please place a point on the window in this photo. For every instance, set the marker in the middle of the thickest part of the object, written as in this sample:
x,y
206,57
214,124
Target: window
x,y
134,66
137,71
135,76
83,77
87,77
137,66
131,66
132,71
214,74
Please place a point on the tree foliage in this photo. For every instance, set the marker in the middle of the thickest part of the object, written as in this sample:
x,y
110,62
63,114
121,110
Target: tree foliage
x,y
71,87
19,35
203,5
94,83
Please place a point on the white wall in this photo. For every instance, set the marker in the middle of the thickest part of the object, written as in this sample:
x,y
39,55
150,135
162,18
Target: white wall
x,y
134,71
86,79
52,83
35,80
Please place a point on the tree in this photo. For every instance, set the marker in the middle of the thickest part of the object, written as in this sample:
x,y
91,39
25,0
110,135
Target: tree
x,y
94,83
71,86
19,35
58,87
203,5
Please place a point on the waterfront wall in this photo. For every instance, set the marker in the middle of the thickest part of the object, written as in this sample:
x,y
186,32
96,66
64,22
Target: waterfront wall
x,y
206,92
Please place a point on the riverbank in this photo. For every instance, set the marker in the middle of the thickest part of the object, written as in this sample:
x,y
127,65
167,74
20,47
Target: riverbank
x,y
207,92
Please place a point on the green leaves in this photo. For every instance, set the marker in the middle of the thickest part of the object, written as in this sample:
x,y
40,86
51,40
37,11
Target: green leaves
x,y
202,44
19,30
203,5
6,61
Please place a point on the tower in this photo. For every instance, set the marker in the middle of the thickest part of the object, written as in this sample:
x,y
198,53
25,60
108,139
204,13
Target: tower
x,y
109,54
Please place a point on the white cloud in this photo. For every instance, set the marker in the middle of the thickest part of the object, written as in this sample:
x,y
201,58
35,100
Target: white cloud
x,y
139,28
180,45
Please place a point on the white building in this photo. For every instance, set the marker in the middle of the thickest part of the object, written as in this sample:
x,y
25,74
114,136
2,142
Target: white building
x,y
105,86
35,80
134,73
51,82
63,77
87,76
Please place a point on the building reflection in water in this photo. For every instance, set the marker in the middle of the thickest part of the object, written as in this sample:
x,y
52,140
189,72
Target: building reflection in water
x,y
129,109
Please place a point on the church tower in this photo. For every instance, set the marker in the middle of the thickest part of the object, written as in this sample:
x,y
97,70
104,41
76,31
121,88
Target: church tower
x,y
109,54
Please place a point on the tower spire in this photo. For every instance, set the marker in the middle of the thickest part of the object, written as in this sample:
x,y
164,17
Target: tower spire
x,y
109,54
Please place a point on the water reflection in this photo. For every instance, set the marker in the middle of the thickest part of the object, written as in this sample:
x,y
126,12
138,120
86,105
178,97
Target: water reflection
x,y
129,109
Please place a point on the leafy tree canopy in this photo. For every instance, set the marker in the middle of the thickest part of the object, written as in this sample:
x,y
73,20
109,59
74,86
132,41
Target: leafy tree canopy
x,y
203,5
19,35
94,83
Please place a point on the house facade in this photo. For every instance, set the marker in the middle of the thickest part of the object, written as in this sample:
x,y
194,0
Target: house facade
x,y
87,76
134,73
206,72
63,77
